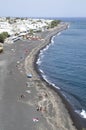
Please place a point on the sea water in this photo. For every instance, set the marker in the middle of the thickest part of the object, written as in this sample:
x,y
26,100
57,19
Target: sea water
x,y
63,64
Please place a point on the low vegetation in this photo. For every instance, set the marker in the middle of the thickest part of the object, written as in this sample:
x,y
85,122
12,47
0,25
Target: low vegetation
x,y
54,23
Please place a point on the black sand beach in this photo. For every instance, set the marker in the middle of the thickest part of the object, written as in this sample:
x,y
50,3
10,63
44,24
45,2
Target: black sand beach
x,y
28,103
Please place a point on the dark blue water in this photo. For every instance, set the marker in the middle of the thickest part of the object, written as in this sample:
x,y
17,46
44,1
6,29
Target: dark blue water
x,y
63,63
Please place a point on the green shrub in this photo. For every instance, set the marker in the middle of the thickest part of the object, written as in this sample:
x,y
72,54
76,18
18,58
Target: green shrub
x,y
55,23
3,36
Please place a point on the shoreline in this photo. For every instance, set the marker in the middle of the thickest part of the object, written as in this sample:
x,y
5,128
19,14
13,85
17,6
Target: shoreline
x,y
37,77
78,122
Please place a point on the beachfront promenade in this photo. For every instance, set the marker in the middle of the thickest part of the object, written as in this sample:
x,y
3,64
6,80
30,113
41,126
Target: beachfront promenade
x,y
27,103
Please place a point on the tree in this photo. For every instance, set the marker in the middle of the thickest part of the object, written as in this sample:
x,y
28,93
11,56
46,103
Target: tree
x,y
3,36
8,18
31,31
39,21
55,23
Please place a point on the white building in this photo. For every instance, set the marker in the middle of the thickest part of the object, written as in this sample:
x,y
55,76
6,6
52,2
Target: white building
x,y
6,27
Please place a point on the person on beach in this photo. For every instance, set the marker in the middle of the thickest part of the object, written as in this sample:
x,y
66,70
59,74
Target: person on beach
x,y
22,96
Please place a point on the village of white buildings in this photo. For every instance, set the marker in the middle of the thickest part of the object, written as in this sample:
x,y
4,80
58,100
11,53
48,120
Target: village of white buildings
x,y
23,28
18,27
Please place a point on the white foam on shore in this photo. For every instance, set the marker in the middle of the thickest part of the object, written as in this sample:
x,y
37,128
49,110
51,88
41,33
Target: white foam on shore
x,y
38,61
58,33
41,71
45,78
49,82
65,96
46,48
82,113
68,26
52,40
54,85
41,54
51,43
